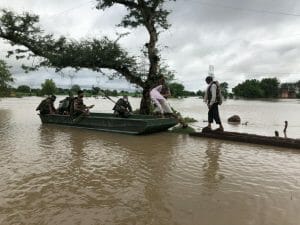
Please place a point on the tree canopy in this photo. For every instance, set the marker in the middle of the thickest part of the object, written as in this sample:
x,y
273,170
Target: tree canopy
x,y
176,89
93,54
24,89
48,87
266,88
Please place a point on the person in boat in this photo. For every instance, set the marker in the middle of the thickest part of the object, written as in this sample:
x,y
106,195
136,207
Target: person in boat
x,y
159,100
47,105
79,108
64,106
122,107
213,99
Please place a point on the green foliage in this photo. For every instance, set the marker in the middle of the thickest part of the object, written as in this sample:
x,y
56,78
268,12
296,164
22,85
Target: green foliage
x,y
75,88
224,89
266,88
176,89
61,53
141,12
189,120
248,89
24,89
5,79
200,93
92,54
48,87
182,130
270,87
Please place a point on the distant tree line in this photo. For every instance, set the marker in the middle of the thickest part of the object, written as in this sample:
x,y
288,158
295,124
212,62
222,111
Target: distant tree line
x,y
49,87
266,88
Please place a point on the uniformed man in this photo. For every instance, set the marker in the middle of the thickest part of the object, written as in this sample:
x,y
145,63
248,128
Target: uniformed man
x,y
122,107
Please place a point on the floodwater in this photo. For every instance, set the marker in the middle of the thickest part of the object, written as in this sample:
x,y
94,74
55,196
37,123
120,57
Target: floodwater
x,y
59,175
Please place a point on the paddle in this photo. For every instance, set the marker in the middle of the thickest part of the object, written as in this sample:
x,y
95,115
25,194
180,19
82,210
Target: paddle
x,y
101,92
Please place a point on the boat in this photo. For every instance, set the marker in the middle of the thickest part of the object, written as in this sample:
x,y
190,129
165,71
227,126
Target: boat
x,y
134,124
250,138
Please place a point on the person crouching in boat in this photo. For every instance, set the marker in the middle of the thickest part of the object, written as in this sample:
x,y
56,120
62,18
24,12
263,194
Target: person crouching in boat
x,y
79,107
64,106
213,99
122,107
159,100
47,106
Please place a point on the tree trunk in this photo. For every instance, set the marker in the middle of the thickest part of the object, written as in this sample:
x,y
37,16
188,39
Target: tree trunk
x,y
145,106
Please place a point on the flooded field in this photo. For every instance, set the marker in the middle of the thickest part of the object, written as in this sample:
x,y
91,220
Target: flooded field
x,y
60,175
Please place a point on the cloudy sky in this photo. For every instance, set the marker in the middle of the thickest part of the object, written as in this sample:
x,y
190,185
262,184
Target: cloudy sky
x,y
242,39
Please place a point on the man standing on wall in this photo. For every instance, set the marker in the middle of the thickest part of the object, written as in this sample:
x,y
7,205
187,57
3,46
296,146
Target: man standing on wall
x,y
213,98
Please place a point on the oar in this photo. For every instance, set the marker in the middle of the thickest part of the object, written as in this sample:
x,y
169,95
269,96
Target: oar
x,y
106,96
99,91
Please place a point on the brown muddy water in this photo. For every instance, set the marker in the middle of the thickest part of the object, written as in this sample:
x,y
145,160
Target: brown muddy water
x,y
54,175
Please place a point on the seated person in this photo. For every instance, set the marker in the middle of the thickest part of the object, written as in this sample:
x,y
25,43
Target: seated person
x,y
64,106
47,106
79,108
122,108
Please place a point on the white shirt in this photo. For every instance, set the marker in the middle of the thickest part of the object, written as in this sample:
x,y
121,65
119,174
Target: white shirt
x,y
213,91
155,93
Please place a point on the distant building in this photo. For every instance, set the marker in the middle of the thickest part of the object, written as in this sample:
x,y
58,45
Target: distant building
x,y
288,90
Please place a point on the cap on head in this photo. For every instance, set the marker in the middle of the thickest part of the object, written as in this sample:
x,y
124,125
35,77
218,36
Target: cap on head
x,y
208,79
53,97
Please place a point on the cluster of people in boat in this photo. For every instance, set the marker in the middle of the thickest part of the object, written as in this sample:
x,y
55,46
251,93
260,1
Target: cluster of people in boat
x,y
74,106
69,106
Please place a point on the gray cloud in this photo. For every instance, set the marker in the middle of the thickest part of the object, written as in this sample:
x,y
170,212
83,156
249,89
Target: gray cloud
x,y
242,39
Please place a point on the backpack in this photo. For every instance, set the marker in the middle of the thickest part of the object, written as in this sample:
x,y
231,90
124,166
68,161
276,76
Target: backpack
x,y
219,97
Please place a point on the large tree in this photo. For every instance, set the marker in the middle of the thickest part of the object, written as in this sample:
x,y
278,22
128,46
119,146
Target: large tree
x,y
249,89
94,54
5,78
270,86
48,87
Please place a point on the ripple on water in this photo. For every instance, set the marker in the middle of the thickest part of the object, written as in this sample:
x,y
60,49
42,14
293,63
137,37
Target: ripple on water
x,y
60,175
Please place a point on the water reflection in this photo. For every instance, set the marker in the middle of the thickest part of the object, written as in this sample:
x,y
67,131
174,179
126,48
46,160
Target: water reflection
x,y
61,175
122,174
4,123
211,167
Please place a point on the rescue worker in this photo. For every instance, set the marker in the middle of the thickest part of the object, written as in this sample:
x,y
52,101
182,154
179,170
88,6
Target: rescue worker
x,y
213,99
47,105
122,107
79,107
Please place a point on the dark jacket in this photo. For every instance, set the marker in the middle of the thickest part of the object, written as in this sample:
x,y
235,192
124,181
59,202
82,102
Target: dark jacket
x,y
218,93
46,106
122,106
